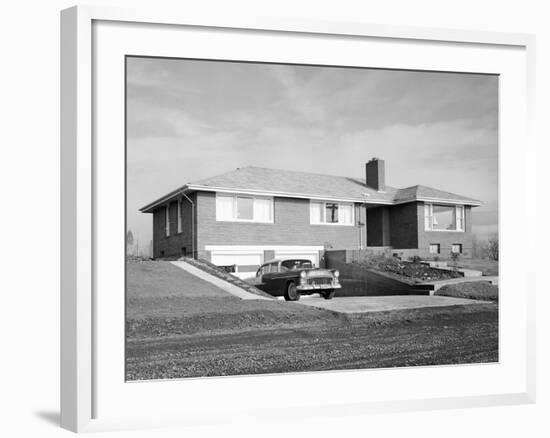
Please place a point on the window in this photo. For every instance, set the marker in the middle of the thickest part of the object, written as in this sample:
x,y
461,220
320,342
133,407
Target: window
x,y
443,217
239,208
456,248
167,221
225,208
333,213
434,248
316,212
245,208
460,218
292,265
266,269
179,217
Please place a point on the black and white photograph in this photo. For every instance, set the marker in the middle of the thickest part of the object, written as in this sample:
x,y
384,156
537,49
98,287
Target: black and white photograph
x,y
288,219
285,218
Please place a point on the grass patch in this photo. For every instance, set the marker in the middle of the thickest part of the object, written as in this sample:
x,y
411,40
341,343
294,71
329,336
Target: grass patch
x,y
168,300
488,267
475,290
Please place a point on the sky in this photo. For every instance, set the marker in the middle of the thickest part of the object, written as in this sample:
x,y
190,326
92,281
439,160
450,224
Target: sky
x,y
191,119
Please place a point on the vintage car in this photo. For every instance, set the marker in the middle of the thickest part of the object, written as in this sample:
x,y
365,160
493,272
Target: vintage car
x,y
294,277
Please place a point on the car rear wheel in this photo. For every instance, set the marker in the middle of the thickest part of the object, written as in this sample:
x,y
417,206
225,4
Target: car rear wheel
x,y
291,292
329,294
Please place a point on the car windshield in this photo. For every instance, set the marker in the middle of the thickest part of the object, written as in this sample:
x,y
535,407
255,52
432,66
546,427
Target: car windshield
x,y
291,265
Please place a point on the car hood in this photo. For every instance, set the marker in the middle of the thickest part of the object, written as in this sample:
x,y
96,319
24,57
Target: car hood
x,y
319,273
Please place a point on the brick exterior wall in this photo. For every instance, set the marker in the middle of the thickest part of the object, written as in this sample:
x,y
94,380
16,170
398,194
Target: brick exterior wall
x,y
291,227
399,226
444,238
175,244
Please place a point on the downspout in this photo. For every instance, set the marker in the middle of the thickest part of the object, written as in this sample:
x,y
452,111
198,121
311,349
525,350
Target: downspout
x,y
192,223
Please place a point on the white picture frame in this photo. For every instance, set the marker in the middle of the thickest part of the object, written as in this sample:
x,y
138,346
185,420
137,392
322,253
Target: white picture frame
x,y
83,316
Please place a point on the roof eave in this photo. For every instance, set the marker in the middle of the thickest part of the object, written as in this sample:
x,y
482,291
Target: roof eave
x,y
471,202
149,208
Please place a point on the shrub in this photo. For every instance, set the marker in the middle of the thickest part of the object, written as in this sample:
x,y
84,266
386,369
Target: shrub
x,y
492,248
455,256
415,259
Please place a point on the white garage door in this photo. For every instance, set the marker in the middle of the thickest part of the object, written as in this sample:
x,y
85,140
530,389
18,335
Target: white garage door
x,y
224,259
247,263
313,256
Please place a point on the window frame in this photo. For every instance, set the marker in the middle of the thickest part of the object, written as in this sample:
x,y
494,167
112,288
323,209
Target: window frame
x,y
167,220
437,245
428,217
460,248
234,217
180,217
323,221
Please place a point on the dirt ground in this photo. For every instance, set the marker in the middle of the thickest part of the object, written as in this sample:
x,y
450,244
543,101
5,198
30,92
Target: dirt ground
x,y
183,327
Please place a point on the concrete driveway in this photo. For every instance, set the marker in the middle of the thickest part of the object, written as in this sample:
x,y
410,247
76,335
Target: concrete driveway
x,y
380,304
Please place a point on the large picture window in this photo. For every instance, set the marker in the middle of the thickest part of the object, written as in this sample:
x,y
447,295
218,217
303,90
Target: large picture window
x,y
443,217
332,213
239,208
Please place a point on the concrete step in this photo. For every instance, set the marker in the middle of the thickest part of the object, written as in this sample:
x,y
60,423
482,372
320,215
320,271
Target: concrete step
x,y
470,272
445,266
434,264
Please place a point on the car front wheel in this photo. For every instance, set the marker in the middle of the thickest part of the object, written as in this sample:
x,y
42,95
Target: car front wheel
x,y
292,293
329,294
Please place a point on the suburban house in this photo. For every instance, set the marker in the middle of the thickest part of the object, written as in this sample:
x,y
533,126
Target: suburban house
x,y
253,214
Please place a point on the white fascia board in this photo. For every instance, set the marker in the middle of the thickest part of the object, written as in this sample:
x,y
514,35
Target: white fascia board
x,y
445,201
163,199
192,187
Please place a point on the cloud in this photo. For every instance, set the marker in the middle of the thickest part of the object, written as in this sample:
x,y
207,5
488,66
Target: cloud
x,y
189,120
300,96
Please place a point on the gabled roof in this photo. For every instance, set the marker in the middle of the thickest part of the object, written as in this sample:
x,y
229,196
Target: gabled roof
x,y
288,183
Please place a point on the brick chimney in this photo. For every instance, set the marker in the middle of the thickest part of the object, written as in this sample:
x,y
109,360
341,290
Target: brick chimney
x,y
376,174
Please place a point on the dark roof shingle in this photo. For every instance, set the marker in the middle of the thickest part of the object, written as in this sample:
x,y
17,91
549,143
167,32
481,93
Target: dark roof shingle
x,y
293,182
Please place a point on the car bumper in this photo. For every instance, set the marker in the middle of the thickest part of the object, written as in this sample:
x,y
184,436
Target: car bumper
x,y
318,286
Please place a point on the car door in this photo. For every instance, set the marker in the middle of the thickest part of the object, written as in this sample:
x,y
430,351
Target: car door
x,y
273,279
269,280
280,279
